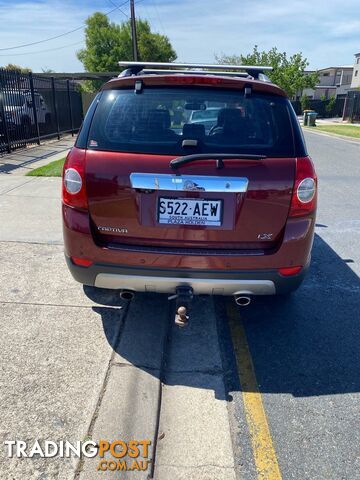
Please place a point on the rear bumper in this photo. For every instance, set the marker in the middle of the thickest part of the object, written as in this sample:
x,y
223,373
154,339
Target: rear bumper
x,y
255,282
157,271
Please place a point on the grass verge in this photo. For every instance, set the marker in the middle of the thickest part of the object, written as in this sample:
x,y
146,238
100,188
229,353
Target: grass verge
x,y
53,169
351,131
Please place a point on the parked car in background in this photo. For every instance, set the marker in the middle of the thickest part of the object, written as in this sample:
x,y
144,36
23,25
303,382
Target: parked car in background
x,y
227,211
2,125
207,117
19,111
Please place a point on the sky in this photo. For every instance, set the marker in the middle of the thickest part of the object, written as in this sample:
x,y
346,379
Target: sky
x,y
327,32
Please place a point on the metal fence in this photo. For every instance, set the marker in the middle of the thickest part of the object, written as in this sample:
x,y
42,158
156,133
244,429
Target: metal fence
x,y
33,108
323,107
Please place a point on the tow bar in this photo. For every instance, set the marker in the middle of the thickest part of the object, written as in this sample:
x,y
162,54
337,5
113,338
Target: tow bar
x,y
183,296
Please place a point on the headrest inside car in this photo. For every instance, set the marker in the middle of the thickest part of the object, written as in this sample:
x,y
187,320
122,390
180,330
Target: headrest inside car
x,y
227,115
193,131
159,119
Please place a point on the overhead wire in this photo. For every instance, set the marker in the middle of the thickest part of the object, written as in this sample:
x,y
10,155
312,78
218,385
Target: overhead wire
x,y
158,16
42,51
64,46
122,11
60,35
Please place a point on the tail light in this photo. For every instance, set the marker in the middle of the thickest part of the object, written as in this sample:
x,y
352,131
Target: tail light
x,y
288,271
73,187
82,262
304,194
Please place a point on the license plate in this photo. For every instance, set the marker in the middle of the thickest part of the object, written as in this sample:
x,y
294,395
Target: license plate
x,y
189,211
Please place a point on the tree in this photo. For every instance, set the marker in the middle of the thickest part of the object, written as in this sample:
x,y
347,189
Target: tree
x,y
288,72
304,102
329,108
106,43
16,68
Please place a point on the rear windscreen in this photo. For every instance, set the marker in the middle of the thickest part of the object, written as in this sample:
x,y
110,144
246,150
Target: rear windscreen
x,y
177,121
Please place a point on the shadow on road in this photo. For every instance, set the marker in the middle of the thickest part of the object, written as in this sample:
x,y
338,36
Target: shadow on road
x,y
308,344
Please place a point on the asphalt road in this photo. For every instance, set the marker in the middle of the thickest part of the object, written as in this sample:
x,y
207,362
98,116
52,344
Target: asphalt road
x,y
268,391
306,352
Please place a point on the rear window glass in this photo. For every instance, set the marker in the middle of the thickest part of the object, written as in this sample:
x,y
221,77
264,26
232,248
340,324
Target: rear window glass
x,y
178,121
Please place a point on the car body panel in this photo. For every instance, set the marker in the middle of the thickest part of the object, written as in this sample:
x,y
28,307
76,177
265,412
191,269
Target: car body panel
x,y
113,202
215,81
293,250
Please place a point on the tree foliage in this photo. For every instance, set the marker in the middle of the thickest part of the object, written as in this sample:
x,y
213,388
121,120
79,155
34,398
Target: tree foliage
x,y
329,108
106,43
16,68
304,102
288,72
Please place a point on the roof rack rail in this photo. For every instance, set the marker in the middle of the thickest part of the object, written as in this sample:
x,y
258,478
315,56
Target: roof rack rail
x,y
151,71
134,68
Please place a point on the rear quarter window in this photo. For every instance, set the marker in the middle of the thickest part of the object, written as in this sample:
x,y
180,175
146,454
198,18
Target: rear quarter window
x,y
158,120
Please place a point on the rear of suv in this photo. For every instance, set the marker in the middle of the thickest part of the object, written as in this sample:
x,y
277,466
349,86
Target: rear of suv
x,y
153,201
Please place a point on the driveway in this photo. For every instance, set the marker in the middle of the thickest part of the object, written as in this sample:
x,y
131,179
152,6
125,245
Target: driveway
x,y
284,403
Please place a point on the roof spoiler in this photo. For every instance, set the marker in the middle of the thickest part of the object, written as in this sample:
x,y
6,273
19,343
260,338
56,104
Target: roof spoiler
x,y
254,71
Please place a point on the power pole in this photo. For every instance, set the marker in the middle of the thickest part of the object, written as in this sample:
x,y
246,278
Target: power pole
x,y
133,31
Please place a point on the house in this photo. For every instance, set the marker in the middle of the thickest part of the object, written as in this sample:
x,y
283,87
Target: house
x,y
333,82
355,82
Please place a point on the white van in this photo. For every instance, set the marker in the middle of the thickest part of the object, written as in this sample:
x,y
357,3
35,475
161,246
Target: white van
x,y
18,108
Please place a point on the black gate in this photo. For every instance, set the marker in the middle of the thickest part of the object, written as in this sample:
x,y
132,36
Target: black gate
x,y
33,108
352,106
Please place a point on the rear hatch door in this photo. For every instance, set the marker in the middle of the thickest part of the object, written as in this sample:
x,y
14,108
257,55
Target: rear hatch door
x,y
135,196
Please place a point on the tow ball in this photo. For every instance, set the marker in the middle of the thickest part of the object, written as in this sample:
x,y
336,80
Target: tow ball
x,y
183,296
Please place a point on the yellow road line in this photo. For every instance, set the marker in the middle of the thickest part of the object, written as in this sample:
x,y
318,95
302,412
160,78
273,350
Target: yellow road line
x,y
263,449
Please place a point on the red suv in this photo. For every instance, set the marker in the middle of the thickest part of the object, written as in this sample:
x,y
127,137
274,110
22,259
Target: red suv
x,y
153,201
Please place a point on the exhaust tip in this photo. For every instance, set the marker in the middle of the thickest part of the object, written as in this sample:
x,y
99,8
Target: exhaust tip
x,y
127,295
242,300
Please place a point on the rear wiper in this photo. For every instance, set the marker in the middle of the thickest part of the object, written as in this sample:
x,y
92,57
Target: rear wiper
x,y
219,157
